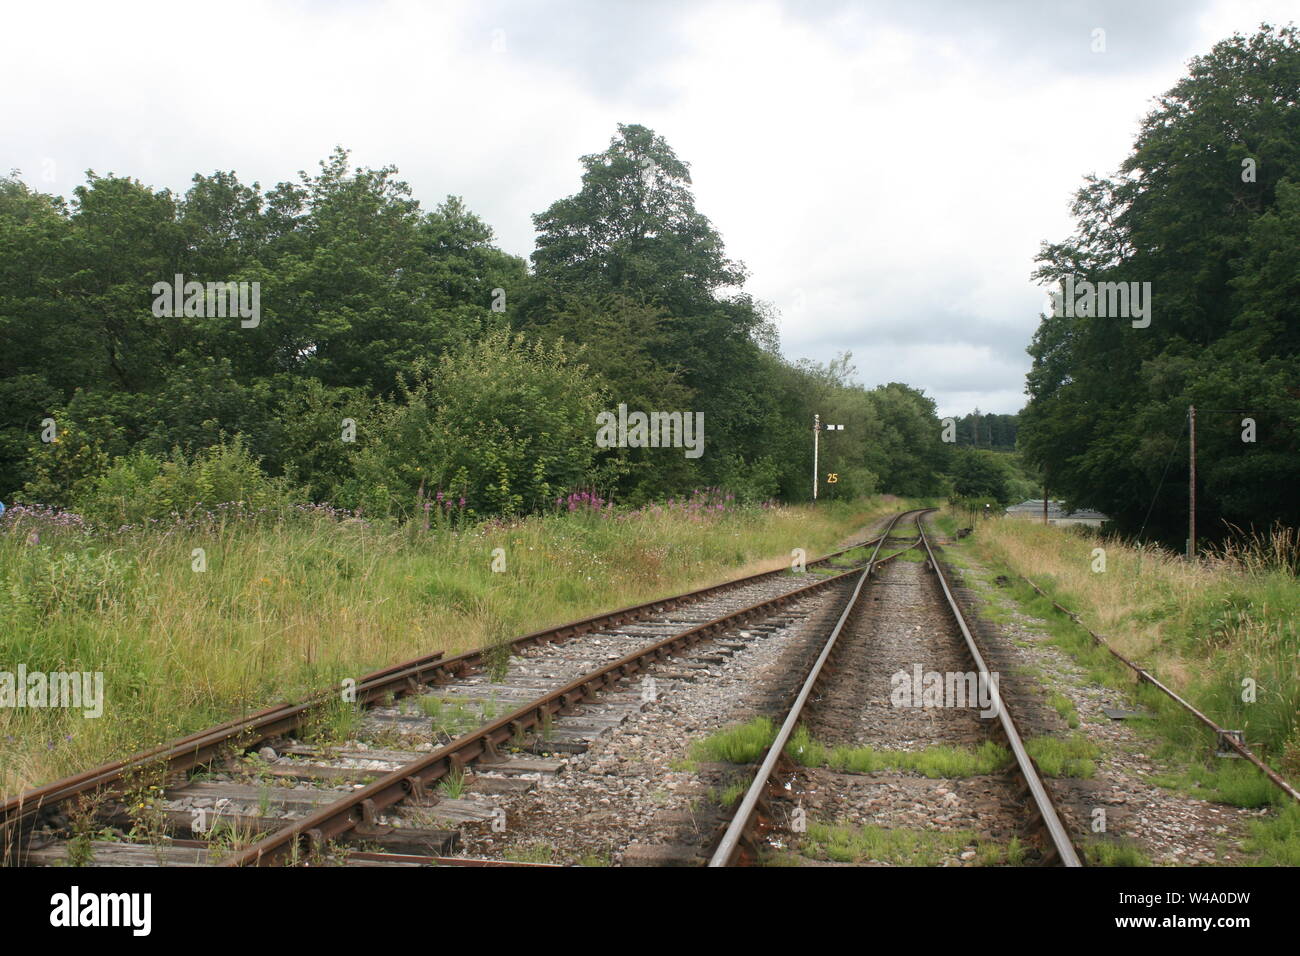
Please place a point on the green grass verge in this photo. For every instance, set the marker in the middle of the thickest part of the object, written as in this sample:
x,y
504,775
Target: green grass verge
x,y
1217,622
284,608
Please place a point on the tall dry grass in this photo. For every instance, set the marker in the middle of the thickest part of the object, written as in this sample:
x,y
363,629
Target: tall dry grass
x,y
1205,627
287,606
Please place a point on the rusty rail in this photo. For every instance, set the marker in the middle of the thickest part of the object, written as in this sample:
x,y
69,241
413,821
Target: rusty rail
x,y
360,809
24,810
202,747
1056,831
737,842
1143,674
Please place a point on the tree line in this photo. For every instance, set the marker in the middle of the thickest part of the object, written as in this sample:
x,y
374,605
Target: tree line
x,y
400,357
1206,208
987,430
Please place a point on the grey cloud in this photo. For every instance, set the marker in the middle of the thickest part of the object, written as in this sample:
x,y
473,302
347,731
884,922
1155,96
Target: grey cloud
x,y
614,48
920,320
1020,33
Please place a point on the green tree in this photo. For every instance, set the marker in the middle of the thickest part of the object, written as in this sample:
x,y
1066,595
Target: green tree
x,y
507,424
978,473
633,232
633,228
1107,415
911,455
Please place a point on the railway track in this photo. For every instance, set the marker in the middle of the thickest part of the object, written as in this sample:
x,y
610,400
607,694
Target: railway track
x,y
645,796
251,792
635,799
836,664
473,761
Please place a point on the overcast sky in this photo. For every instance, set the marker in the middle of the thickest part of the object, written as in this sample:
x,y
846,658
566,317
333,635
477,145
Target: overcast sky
x,y
885,171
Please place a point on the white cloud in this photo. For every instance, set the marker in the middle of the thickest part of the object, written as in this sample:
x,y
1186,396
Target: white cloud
x,y
886,172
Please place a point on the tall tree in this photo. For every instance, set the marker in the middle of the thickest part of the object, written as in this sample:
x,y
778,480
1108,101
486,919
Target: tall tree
x,y
633,231
1203,210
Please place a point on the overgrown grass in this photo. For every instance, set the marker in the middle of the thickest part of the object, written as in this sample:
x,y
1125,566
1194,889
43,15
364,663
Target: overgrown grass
x,y
532,853
848,559
947,522
1234,782
1109,853
936,762
453,785
740,743
1213,629
733,792
286,607
745,743
1065,707
914,555
1276,842
1064,756
331,723
802,749
903,847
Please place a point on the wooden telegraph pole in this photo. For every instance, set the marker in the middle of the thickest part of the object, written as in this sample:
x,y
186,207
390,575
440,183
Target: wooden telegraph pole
x,y
1191,489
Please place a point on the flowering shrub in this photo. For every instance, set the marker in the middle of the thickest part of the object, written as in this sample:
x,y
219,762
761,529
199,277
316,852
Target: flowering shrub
x,y
585,502
444,510
702,502
43,524
37,521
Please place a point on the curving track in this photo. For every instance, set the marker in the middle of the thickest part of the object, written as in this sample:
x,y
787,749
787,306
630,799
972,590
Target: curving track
x,y
447,749
292,805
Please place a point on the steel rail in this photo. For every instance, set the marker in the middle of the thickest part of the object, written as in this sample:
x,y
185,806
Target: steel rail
x,y
732,846
737,835
1224,737
202,747
1056,830
360,808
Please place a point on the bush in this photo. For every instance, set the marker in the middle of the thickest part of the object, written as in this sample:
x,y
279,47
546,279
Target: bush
x,y
978,473
141,487
45,580
507,424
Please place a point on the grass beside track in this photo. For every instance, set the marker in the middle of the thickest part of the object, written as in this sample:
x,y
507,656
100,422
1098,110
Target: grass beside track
x,y
286,607
1218,631
1210,630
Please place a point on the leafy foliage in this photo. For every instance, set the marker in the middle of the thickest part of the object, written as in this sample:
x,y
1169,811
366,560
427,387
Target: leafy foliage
x,y
501,422
140,487
399,354
1108,402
